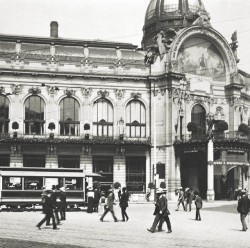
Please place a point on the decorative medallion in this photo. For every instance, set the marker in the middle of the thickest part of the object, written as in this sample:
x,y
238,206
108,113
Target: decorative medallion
x,y
16,89
119,93
69,93
86,92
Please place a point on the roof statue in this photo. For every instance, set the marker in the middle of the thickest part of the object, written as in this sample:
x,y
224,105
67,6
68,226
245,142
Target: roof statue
x,y
203,19
234,45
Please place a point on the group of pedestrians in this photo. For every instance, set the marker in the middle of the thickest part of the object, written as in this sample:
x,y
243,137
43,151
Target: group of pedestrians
x,y
53,203
185,198
110,202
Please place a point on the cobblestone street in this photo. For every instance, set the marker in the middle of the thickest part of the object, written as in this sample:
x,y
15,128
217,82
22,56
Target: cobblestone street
x,y
220,227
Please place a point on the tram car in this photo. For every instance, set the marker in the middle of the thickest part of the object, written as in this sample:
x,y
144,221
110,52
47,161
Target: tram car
x,y
22,187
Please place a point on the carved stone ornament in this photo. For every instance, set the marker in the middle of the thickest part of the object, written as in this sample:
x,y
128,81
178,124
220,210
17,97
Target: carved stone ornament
x,y
52,89
34,90
87,92
234,100
219,115
2,89
17,89
69,92
136,95
103,94
119,93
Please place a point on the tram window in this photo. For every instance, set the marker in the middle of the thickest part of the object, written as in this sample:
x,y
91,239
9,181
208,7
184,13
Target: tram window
x,y
49,182
33,183
73,183
12,183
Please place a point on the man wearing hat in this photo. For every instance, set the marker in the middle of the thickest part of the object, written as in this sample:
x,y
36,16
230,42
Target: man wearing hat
x,y
161,211
110,205
180,199
243,208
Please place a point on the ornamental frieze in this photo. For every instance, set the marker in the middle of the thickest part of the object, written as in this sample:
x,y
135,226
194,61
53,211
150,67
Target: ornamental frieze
x,y
136,95
103,93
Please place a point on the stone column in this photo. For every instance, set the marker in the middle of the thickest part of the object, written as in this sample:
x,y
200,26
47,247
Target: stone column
x,y
120,171
210,170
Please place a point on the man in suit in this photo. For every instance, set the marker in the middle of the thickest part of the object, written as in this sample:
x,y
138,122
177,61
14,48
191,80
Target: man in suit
x,y
110,205
180,199
161,211
243,208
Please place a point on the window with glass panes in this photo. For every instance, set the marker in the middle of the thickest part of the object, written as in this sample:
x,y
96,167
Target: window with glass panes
x,y
4,115
103,118
30,160
4,160
198,116
69,117
136,174
69,161
135,119
34,115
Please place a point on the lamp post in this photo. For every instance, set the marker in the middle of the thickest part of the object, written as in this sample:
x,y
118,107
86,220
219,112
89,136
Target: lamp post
x,y
210,158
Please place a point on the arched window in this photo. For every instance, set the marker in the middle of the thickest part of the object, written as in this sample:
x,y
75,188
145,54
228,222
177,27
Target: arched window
x,y
198,116
69,117
135,119
4,114
34,115
103,118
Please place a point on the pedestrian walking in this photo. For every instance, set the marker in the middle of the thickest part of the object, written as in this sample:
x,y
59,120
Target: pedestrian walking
x,y
188,199
243,208
110,206
198,204
180,199
102,203
165,216
56,200
96,200
90,196
63,204
161,211
124,203
47,209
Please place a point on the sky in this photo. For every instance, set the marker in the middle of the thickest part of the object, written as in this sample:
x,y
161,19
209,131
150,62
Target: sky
x,y
115,20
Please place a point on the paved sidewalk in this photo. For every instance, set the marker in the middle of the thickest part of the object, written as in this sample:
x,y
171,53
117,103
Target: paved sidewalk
x,y
218,228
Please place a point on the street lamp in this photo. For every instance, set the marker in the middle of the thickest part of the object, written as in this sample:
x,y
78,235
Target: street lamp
x,y
210,158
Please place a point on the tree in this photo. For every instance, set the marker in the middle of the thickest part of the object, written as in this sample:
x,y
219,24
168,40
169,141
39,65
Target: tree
x,y
15,126
221,126
51,126
163,185
151,185
243,128
191,127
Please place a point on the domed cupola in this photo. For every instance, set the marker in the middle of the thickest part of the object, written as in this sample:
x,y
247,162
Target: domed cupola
x,y
164,14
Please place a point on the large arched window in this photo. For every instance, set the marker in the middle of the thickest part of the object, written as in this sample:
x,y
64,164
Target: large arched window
x,y
135,119
103,118
34,115
69,117
4,114
198,116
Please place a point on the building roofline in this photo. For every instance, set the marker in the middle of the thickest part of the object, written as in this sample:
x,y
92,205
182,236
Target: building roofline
x,y
63,41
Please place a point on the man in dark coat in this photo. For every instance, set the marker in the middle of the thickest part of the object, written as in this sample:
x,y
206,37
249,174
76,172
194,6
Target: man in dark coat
x,y
198,204
63,204
180,199
124,203
243,208
161,211
110,206
47,209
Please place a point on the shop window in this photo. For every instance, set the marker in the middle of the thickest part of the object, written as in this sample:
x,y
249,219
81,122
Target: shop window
x,y
4,160
69,161
160,170
136,174
33,160
12,183
104,165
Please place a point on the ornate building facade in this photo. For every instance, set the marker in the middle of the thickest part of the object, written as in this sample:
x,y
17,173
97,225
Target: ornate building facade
x,y
134,115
